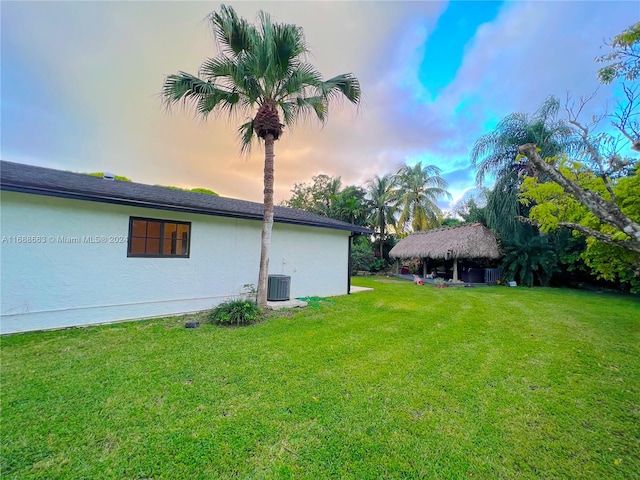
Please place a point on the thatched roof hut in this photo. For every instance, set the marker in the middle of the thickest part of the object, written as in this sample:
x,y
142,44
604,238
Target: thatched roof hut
x,y
464,241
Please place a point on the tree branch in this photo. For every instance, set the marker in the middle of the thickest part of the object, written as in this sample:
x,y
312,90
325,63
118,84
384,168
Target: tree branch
x,y
625,124
607,212
584,136
589,232
602,237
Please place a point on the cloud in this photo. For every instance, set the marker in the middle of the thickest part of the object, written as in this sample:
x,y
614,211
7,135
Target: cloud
x,y
101,66
536,49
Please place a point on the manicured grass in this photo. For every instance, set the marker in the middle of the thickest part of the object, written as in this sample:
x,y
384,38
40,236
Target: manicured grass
x,y
402,382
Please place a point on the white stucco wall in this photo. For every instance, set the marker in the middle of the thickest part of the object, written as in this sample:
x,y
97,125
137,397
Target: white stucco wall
x,y
54,283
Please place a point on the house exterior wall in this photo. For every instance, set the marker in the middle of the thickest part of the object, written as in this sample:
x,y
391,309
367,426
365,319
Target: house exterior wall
x,y
57,272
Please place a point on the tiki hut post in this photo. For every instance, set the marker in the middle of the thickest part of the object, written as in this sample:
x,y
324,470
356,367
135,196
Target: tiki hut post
x,y
449,255
455,269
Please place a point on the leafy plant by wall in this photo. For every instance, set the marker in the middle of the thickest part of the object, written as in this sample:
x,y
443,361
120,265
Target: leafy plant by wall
x,y
236,313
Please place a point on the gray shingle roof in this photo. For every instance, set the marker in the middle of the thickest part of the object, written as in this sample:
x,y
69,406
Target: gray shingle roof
x,y
46,181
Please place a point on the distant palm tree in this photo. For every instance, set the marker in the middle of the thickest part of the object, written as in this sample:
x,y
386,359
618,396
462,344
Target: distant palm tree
x,y
496,151
327,197
260,72
350,205
383,206
418,190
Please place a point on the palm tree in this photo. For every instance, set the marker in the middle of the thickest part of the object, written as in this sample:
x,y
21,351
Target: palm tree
x,y
496,151
383,207
418,190
350,205
259,69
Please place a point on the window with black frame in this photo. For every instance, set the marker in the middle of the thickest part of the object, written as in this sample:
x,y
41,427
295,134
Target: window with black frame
x,y
151,237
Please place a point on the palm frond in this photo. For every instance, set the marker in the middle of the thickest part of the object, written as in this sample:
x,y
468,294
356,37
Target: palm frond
x,y
223,101
234,34
316,104
245,132
497,150
184,87
301,76
346,84
547,112
288,44
232,74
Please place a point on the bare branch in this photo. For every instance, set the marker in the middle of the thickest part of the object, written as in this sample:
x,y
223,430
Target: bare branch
x,y
595,155
625,116
583,102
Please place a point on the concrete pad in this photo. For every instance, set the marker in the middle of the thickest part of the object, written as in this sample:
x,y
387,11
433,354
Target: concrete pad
x,y
292,303
355,289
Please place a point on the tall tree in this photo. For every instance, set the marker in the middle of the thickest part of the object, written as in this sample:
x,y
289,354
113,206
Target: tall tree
x,y
261,71
315,196
383,206
418,190
350,205
496,152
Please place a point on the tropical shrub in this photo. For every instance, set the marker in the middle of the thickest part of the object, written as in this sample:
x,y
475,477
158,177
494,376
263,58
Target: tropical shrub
x,y
236,313
530,261
362,256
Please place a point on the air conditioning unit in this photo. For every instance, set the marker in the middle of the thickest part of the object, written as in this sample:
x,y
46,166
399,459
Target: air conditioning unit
x,y
278,288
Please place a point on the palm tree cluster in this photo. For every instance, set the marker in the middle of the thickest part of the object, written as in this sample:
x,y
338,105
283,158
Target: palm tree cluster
x,y
404,201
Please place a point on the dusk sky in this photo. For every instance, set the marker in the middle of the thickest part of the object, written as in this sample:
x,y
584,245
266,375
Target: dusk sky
x,y
81,82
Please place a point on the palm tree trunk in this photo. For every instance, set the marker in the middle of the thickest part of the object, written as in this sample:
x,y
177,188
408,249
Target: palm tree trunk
x,y
267,223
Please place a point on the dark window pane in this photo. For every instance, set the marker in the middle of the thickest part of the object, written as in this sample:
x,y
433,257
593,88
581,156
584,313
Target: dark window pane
x,y
153,229
182,230
153,246
139,228
137,246
174,237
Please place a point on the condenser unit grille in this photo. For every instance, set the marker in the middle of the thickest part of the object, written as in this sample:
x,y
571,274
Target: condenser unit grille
x,y
278,287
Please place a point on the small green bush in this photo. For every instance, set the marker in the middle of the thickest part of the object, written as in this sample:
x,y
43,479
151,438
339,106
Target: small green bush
x,y
235,313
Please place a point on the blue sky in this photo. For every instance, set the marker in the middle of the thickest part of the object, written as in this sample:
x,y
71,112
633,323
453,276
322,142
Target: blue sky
x,y
445,47
81,83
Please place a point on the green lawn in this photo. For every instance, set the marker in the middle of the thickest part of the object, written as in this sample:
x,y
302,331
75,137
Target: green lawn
x,y
402,382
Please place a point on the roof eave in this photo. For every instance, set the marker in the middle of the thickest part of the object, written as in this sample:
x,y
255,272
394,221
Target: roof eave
x,y
74,195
